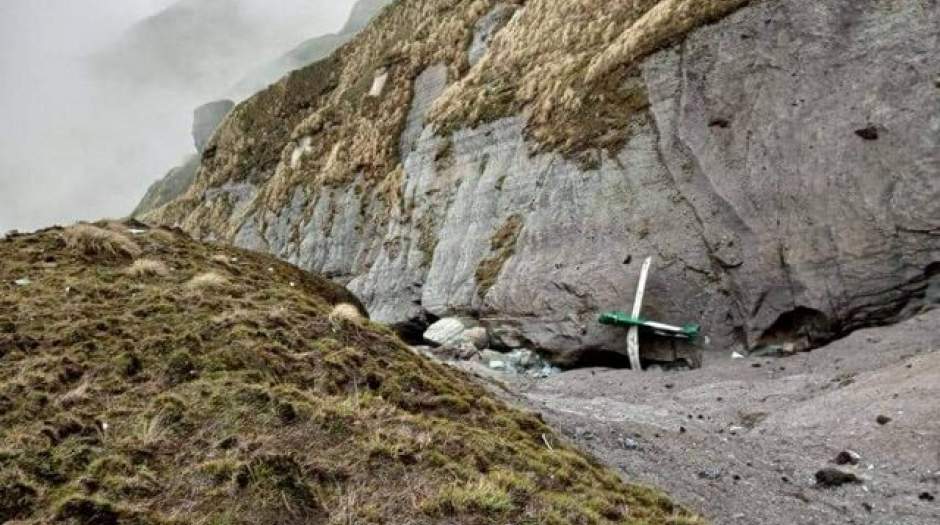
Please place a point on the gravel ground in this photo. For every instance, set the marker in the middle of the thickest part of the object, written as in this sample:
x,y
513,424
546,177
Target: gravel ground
x,y
741,440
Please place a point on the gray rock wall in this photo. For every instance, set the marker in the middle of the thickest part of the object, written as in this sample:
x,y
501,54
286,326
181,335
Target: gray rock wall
x,y
786,179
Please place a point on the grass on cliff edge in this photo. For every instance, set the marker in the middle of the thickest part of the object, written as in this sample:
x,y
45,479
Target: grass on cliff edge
x,y
150,379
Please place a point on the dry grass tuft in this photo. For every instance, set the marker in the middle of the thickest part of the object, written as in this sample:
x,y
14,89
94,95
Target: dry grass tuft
x,y
93,241
162,235
207,281
345,311
221,258
148,268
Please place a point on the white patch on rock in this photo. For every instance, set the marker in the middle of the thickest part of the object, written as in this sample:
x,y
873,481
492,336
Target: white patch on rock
x,y
302,149
378,85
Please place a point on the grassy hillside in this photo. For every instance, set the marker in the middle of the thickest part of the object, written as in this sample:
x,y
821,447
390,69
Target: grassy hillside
x,y
147,378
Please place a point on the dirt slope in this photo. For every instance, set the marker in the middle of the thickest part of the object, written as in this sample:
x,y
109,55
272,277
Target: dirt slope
x,y
147,378
742,439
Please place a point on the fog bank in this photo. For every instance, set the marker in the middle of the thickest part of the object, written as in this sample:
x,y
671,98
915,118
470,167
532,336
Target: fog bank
x,y
96,95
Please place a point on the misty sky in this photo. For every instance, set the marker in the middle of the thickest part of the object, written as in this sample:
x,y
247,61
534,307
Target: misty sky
x,y
81,143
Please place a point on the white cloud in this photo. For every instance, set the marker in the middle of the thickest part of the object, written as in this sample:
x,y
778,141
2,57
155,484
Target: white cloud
x,y
73,147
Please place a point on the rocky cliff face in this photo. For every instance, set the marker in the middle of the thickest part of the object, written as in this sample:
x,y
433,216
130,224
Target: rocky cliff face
x,y
208,116
781,162
206,120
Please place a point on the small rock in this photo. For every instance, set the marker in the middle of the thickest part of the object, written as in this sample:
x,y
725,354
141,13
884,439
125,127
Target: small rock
x,y
448,330
585,434
629,444
491,355
466,351
926,496
476,336
736,355
527,359
883,420
545,371
711,474
831,477
497,365
869,133
23,282
847,457
669,386
506,337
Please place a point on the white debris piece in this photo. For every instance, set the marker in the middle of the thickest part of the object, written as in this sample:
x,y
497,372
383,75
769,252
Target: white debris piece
x,y
736,355
23,282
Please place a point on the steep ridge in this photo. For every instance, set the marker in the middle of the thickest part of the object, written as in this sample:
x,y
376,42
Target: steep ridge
x,y
309,51
146,378
179,179
514,161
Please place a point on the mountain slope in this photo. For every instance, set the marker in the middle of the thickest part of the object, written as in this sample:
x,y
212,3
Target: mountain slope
x,y
178,180
309,51
148,378
514,161
202,47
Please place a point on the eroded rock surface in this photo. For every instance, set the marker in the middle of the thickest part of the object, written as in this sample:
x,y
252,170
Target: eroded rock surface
x,y
786,178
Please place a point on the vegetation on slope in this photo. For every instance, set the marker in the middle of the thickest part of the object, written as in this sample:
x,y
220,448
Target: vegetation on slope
x,y
567,66
147,378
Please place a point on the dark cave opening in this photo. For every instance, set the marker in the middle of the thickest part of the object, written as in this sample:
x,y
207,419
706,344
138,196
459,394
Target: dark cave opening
x,y
412,331
802,327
